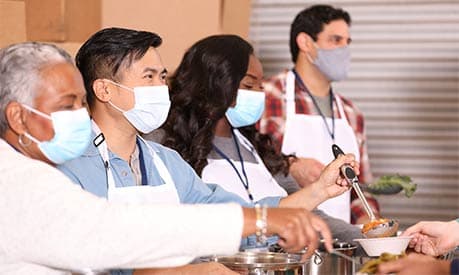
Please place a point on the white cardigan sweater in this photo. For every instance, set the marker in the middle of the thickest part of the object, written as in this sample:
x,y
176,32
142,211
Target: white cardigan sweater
x,y
50,226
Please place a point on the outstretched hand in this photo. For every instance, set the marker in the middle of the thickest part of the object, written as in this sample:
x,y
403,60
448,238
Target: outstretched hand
x,y
433,238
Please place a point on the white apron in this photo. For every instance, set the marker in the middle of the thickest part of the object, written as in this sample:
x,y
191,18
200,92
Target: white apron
x,y
143,194
307,136
261,182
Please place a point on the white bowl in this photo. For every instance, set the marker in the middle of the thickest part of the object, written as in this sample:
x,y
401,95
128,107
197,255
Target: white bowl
x,y
375,246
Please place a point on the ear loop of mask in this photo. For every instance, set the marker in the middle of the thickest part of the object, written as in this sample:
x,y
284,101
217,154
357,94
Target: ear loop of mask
x,y
123,87
27,135
308,56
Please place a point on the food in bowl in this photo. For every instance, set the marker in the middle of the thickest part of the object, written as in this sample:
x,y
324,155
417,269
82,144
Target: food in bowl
x,y
376,246
371,266
372,224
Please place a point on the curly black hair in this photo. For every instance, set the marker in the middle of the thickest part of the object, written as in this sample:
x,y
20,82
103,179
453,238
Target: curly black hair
x,y
202,88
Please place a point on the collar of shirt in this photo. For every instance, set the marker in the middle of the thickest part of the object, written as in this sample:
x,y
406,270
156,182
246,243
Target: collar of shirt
x,y
92,150
304,103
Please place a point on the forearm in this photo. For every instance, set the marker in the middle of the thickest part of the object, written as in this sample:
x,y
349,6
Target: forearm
x,y
161,271
73,229
249,221
308,197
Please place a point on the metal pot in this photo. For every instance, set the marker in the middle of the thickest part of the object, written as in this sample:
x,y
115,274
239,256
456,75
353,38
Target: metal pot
x,y
324,263
262,263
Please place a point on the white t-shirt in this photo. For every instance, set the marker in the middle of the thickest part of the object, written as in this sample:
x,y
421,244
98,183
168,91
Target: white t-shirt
x,y
48,224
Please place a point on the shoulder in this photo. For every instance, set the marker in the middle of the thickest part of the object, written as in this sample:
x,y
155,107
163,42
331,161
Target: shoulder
x,y
88,159
347,103
164,152
16,167
174,162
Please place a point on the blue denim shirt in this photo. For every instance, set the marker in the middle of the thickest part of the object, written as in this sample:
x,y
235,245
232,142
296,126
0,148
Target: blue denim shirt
x,y
89,172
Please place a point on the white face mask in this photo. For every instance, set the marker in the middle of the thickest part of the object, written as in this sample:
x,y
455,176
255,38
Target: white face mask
x,y
151,107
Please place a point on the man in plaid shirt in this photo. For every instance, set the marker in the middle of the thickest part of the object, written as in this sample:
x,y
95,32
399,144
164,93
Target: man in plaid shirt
x,y
304,116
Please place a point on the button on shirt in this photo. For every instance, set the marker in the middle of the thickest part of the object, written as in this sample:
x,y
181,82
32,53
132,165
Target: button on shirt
x,y
89,172
134,163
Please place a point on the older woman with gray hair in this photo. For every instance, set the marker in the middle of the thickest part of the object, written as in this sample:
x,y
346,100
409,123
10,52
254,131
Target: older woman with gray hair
x,y
50,226
44,100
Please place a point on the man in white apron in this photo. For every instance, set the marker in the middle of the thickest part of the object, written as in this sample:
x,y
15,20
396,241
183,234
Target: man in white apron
x,y
119,164
303,114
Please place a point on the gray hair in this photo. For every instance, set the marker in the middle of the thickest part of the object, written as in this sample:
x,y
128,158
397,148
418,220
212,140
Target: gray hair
x,y
20,66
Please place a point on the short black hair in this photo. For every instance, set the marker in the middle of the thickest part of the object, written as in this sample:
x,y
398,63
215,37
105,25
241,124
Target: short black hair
x,y
102,55
311,21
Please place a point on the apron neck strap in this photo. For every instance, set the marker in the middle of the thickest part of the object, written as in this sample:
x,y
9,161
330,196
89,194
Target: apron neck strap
x,y
243,178
331,131
340,105
290,94
101,145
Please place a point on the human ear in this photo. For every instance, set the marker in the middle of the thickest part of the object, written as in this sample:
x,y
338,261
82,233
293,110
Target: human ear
x,y
306,46
305,42
100,90
16,117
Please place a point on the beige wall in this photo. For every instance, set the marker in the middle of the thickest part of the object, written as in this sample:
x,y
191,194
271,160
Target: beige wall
x,y
12,22
69,22
179,22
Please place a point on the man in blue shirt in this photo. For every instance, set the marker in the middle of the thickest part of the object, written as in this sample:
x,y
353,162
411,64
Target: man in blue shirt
x,y
127,94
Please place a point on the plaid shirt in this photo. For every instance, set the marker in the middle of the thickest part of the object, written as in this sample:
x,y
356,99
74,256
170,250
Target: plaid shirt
x,y
273,122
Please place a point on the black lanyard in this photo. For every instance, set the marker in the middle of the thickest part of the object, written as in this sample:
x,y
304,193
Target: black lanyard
x,y
331,132
223,155
143,170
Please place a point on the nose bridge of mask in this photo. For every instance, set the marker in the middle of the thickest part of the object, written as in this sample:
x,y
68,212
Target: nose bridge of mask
x,y
151,94
249,95
61,117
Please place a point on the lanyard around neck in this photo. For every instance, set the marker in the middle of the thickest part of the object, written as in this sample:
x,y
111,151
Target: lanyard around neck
x,y
101,144
331,131
223,155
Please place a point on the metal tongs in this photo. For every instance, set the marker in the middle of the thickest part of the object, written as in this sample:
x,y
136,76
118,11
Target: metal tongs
x,y
384,229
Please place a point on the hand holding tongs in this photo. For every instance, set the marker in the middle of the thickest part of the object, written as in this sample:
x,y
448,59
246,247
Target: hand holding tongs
x,y
382,228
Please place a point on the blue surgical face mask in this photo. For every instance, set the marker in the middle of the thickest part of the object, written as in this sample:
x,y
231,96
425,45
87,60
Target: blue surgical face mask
x,y
335,63
72,134
151,107
248,110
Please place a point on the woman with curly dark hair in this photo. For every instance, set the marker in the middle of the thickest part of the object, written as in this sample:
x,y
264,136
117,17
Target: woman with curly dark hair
x,y
217,98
